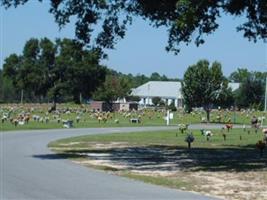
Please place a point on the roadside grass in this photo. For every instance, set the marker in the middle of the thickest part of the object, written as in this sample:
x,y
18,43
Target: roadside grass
x,y
172,138
146,154
54,125
86,121
167,181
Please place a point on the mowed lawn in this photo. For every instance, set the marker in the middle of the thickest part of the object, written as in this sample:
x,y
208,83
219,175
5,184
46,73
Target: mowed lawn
x,y
231,168
171,138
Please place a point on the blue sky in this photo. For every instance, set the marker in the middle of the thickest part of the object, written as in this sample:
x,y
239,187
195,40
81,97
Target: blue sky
x,y
143,48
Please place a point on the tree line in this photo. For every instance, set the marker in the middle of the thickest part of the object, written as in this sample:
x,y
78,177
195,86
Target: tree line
x,y
64,71
204,85
54,71
252,89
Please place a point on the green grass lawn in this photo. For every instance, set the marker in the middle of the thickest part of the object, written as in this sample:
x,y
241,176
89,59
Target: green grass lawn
x,y
148,117
174,138
234,160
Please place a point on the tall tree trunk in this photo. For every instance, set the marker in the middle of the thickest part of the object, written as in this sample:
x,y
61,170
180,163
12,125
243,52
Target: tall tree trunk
x,y
76,98
81,98
21,96
54,107
208,115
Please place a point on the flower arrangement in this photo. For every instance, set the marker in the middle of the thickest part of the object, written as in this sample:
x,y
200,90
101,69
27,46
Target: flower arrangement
x,y
182,127
228,126
189,139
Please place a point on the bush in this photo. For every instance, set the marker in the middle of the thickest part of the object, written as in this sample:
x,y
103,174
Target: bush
x,y
172,107
156,100
188,109
161,103
133,98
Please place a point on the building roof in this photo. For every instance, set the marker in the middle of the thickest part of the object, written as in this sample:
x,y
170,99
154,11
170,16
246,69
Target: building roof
x,y
166,89
163,89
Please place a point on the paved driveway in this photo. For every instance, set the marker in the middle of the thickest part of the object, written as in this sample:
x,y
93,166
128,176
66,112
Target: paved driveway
x,y
29,170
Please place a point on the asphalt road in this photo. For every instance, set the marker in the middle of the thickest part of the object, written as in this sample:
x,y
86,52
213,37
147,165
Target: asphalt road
x,y
29,170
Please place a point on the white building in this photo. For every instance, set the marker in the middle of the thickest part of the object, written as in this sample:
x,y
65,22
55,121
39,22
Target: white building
x,y
169,91
233,86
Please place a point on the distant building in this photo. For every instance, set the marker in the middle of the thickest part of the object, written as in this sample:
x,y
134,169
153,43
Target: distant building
x,y
100,106
233,86
127,106
168,91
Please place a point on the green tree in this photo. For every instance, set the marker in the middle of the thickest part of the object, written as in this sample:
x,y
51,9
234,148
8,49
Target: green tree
x,y
226,98
164,78
260,75
155,76
185,20
77,71
133,98
240,75
11,67
11,77
1,85
88,75
202,85
31,74
156,100
113,88
26,71
172,107
8,92
48,51
63,71
251,93
140,79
